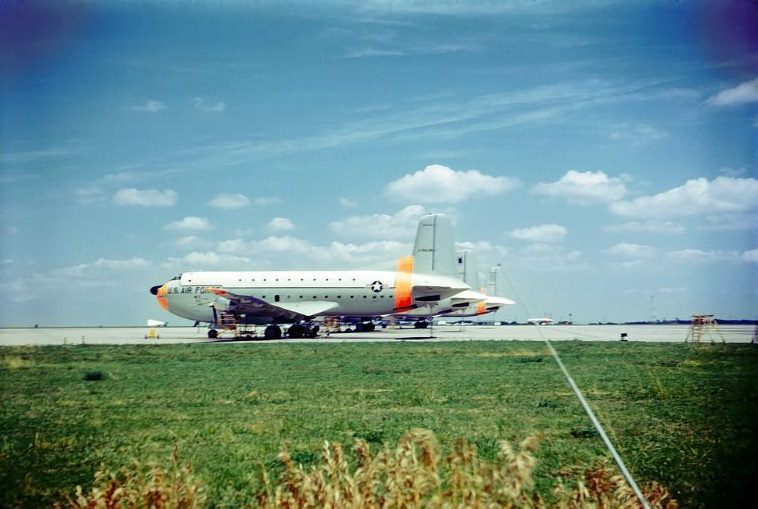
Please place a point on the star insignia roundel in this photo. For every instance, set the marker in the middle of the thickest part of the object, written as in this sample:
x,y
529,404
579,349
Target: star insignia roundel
x,y
376,286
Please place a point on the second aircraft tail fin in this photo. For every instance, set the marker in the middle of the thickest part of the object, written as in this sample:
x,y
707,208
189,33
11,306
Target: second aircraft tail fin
x,y
434,249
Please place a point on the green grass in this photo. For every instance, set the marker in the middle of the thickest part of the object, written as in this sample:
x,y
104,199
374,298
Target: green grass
x,y
684,415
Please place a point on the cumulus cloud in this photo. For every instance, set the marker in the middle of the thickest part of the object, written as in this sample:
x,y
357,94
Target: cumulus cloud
x,y
695,197
546,257
130,263
729,221
190,241
197,260
486,253
540,233
280,224
584,187
741,94
282,252
347,203
145,197
651,226
229,201
151,106
628,250
401,224
440,184
87,270
189,223
203,104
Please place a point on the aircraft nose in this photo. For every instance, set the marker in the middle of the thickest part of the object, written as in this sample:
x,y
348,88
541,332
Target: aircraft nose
x,y
160,292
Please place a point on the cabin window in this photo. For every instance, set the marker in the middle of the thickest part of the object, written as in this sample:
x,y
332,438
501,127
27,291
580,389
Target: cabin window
x,y
276,298
314,296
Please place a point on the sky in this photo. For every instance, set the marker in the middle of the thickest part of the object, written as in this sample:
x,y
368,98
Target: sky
x,y
603,152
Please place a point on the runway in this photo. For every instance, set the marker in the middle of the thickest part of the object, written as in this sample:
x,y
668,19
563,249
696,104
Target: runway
x,y
167,335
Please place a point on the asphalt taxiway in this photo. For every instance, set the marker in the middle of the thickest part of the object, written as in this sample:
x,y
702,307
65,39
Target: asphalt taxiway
x,y
167,335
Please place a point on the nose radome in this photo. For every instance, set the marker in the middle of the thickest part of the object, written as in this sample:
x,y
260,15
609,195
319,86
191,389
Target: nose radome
x,y
154,289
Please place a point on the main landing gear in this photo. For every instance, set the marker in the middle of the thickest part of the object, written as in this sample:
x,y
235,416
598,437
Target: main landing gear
x,y
365,327
303,330
273,331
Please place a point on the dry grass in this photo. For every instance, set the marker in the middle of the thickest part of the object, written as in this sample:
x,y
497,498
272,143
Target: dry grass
x,y
142,487
414,474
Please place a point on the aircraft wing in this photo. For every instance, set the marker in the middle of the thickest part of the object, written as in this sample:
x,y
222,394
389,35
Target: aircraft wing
x,y
285,311
310,308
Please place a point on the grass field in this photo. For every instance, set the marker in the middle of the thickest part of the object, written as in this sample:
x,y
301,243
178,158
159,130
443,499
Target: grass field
x,y
684,415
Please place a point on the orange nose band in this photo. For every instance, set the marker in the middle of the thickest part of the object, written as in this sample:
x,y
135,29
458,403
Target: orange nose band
x,y
161,297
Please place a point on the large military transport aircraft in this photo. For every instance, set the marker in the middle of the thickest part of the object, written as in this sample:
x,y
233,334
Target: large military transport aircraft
x,y
275,297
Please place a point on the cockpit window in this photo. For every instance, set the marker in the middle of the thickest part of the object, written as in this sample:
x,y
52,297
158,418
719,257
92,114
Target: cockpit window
x,y
176,278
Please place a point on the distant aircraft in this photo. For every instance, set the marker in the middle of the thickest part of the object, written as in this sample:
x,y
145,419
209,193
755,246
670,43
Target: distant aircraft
x,y
469,273
540,321
156,323
275,297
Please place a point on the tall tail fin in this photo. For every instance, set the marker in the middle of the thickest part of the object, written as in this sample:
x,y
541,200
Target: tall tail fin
x,y
492,287
434,249
468,268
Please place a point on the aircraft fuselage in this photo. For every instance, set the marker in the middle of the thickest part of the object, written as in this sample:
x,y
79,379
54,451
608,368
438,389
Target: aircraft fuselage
x,y
195,295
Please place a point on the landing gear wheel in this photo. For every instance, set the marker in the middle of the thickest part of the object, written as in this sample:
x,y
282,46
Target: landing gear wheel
x,y
421,324
212,334
365,327
296,331
272,332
